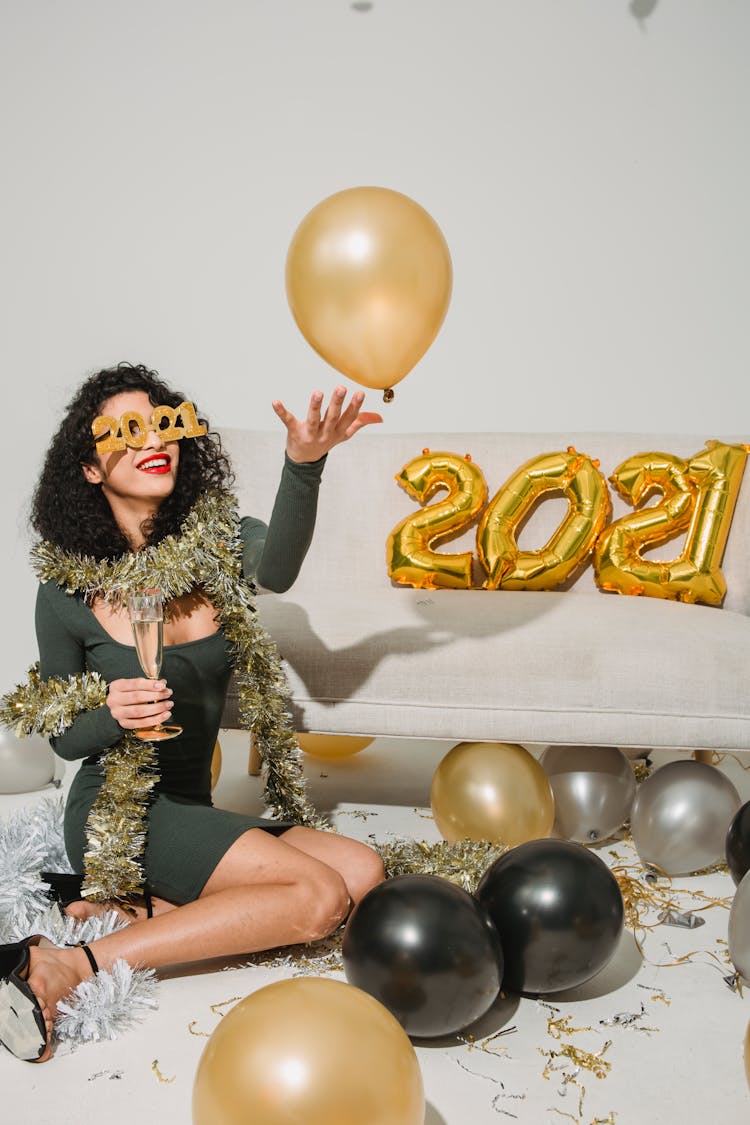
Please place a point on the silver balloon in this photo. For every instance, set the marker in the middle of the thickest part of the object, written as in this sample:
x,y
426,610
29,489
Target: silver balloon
x,y
25,763
681,815
739,928
593,786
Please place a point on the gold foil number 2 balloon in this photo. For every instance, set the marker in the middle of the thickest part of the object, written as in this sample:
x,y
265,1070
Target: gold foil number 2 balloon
x,y
410,558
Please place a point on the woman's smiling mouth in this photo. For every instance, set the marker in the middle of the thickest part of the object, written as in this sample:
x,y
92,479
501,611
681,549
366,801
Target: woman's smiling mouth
x,y
157,463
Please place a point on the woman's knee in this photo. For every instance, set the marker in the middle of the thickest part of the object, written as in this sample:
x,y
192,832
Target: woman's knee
x,y
367,872
326,905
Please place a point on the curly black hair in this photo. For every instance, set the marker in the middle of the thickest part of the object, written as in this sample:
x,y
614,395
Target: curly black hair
x,y
76,516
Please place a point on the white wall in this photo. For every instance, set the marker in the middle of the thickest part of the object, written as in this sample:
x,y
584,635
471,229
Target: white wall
x,y
587,161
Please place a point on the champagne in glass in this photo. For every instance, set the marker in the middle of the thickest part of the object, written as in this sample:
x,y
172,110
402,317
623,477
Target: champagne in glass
x,y
147,619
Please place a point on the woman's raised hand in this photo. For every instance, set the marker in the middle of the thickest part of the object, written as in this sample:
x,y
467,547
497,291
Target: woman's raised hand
x,y
139,702
309,438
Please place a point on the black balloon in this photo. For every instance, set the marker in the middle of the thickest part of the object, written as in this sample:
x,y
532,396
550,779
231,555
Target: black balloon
x,y
738,844
427,951
558,911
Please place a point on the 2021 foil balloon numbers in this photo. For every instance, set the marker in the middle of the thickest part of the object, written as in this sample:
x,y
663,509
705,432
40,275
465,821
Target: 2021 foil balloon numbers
x,y
698,497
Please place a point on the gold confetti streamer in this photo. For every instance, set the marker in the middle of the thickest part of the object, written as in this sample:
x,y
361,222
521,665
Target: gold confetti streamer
x,y
159,1075
586,1060
559,1027
216,1008
484,1044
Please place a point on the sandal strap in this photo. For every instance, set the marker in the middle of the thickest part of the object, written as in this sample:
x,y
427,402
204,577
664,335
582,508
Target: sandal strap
x,y
90,955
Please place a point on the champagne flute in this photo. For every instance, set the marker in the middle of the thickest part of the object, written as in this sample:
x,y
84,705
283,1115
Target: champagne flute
x,y
147,619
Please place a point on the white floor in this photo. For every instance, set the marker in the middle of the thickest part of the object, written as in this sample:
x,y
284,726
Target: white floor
x,y
681,1059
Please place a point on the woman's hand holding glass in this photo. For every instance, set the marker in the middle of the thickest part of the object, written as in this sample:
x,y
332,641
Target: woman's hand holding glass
x,y
139,703
147,620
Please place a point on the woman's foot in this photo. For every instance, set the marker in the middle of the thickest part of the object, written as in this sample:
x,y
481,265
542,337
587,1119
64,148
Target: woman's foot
x,y
53,973
135,911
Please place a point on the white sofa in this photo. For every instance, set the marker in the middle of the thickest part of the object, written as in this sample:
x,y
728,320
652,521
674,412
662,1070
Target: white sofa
x,y
576,665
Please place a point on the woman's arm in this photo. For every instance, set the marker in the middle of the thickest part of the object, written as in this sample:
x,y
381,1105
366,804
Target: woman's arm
x,y
62,654
273,555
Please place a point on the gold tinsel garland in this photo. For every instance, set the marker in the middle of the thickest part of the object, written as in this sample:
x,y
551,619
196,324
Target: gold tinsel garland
x,y
207,553
116,825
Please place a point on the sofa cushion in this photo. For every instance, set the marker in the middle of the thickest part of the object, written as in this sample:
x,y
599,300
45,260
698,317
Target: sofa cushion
x,y
515,667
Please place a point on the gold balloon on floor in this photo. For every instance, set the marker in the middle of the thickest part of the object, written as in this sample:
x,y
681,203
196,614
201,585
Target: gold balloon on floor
x,y
332,745
310,1050
368,279
491,791
215,765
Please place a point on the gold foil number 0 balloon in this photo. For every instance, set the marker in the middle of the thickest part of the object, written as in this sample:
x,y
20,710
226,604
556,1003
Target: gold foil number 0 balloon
x,y
577,477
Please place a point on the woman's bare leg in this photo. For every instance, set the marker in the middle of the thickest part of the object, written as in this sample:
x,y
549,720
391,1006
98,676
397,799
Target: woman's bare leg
x,y
265,892
359,865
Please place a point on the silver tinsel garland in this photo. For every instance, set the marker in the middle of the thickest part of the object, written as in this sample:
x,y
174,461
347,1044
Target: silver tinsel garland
x,y
102,1007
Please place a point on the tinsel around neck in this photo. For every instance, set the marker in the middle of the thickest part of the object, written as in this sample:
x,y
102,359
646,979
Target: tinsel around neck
x,y
206,551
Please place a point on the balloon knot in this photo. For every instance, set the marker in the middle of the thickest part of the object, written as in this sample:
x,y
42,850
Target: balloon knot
x,y
388,394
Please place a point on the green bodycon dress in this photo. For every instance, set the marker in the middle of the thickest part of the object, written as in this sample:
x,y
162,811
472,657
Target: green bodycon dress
x,y
187,836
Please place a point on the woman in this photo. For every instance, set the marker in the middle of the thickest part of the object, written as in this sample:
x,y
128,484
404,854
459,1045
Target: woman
x,y
218,883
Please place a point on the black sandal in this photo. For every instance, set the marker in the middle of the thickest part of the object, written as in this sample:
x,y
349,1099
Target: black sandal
x,y
22,1027
66,888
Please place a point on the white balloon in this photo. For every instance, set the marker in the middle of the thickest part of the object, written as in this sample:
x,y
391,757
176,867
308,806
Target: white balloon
x,y
25,763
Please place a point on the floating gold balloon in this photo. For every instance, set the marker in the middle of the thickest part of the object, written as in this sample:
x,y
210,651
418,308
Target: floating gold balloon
x,y
308,1050
409,555
332,746
698,495
493,791
368,279
578,478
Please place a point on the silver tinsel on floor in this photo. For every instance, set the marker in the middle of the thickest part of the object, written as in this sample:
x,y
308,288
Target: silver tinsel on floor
x,y
104,1006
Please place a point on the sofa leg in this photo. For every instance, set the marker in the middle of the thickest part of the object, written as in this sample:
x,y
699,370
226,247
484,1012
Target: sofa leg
x,y
253,765
706,756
